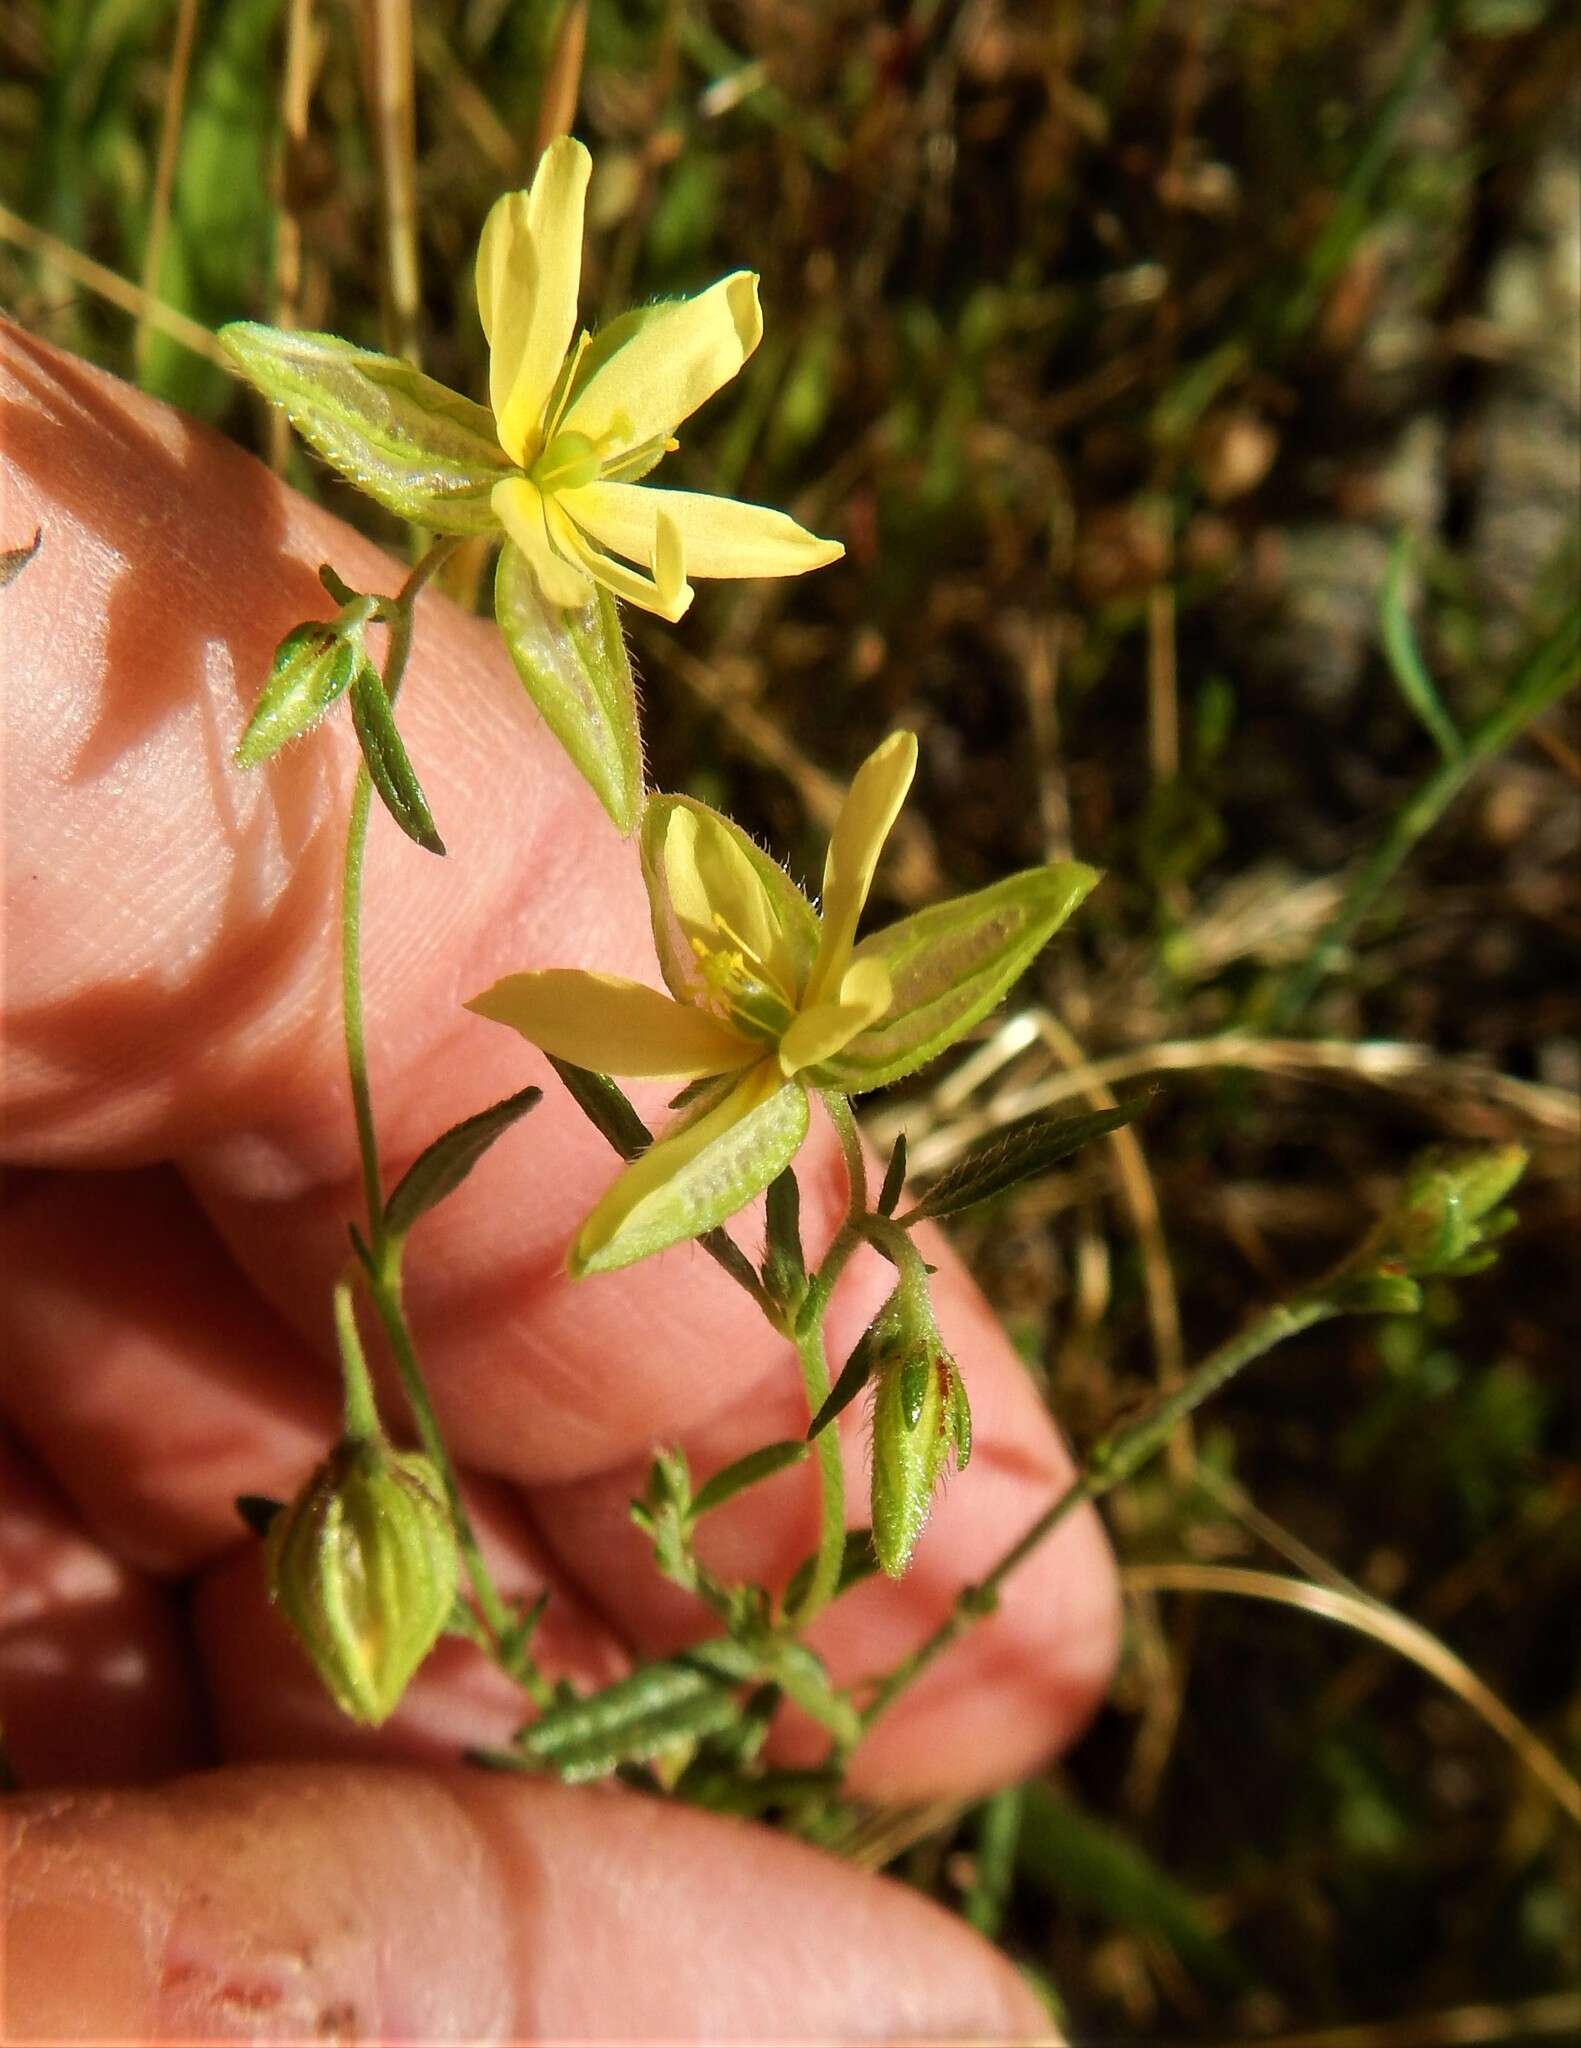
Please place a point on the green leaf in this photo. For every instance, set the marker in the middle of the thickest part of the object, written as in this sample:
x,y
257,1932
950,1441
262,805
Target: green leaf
x,y
604,1103
425,453
894,1178
800,1674
634,1719
385,753
949,965
1414,683
575,668
312,665
14,560
745,1472
440,1168
1015,1155
784,1263
1082,1863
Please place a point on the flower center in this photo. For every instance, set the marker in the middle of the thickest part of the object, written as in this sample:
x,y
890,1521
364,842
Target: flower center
x,y
744,988
569,461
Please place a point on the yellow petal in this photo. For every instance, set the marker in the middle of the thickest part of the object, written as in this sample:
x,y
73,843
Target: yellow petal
x,y
718,536
819,1033
697,863
613,1026
529,267
518,505
871,807
688,1183
666,591
676,358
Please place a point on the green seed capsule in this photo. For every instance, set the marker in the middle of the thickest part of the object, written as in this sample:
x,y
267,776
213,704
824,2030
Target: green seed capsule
x,y
363,1566
920,1418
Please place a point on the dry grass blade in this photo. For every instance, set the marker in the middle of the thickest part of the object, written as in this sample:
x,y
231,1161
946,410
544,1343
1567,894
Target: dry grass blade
x,y
165,165
1382,1062
386,27
562,79
110,286
1558,2013
1396,1631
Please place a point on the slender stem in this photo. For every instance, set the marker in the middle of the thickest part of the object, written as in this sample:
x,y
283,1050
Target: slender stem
x,y
1112,1463
362,1414
384,1277
825,1580
839,1108
398,615
1541,681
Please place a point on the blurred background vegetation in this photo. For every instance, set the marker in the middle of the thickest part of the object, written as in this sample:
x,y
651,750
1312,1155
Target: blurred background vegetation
x,y
1195,386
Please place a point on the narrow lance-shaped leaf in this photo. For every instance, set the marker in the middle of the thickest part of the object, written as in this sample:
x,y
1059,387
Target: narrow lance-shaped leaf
x,y
391,771
1406,665
575,668
441,1167
745,1472
312,666
948,966
1018,1154
784,1262
606,1106
637,1717
894,1178
427,454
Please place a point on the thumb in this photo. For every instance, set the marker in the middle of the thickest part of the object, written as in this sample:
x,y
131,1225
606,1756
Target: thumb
x,y
317,1904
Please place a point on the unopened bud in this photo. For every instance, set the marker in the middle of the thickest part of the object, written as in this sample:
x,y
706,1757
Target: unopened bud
x,y
1450,1204
920,1416
363,1566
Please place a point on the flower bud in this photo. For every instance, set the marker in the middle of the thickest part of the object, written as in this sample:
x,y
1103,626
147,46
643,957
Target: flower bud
x,y
363,1566
920,1415
1450,1207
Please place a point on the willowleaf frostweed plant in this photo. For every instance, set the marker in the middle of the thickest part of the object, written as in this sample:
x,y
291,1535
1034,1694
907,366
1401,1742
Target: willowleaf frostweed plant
x,y
769,1002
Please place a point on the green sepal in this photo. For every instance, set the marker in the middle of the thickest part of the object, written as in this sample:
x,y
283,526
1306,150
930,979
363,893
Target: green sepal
x,y
908,1459
575,668
313,665
440,1168
706,1189
948,966
425,453
1015,1155
389,767
1379,1294
748,1471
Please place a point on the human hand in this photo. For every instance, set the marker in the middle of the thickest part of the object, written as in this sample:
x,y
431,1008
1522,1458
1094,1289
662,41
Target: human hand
x,y
174,1104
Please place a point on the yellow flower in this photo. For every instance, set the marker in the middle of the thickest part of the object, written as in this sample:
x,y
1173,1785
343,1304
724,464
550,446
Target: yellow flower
x,y
584,423
763,992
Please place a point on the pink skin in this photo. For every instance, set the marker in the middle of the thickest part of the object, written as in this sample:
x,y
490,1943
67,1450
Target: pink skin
x,y
172,1007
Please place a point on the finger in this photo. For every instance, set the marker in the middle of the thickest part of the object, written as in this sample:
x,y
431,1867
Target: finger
x,y
292,1904
215,941
95,1684
145,1373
